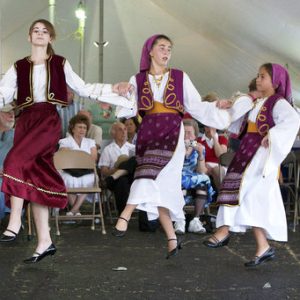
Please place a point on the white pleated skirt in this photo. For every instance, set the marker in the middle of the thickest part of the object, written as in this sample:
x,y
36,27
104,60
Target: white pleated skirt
x,y
261,203
165,191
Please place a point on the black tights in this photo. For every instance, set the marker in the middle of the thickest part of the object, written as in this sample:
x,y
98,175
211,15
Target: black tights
x,y
200,200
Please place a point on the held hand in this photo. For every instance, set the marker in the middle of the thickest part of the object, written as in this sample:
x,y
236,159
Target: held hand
x,y
224,103
265,142
212,132
123,88
199,148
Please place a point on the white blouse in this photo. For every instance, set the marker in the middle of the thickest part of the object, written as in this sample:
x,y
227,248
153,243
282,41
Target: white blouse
x,y
8,85
205,112
69,142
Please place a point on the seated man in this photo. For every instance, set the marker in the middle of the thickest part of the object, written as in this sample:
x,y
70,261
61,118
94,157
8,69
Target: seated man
x,y
109,157
194,178
7,121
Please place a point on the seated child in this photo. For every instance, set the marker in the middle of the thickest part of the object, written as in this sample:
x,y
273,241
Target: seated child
x,y
194,177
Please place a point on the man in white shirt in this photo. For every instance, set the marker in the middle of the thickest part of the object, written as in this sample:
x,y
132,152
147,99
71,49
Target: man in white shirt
x,y
107,163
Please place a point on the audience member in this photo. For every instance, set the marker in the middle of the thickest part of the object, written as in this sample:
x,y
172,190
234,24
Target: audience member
x,y
7,121
78,128
132,125
95,131
194,178
107,163
215,145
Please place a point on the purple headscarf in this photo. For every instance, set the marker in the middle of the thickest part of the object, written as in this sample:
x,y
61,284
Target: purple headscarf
x,y
145,57
282,83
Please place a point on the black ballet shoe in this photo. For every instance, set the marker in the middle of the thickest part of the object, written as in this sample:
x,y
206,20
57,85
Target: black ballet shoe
x,y
174,251
36,258
9,238
119,233
216,243
266,256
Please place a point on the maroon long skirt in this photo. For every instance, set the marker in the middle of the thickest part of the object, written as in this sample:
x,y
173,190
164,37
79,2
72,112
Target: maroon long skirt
x,y
28,170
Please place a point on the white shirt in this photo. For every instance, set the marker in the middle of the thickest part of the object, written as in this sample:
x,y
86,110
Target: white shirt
x,y
205,112
69,142
8,85
111,153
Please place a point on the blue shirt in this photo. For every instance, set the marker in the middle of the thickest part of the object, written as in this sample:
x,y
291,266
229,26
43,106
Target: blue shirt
x,y
6,142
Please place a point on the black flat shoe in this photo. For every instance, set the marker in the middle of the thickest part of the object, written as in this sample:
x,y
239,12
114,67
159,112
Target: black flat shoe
x,y
119,233
36,258
216,243
8,238
174,251
268,255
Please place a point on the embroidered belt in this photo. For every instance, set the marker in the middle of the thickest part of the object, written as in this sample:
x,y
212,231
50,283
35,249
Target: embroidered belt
x,y
252,127
160,108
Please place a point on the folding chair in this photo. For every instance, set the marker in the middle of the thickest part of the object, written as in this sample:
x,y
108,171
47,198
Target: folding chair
x,y
108,200
290,182
73,159
297,202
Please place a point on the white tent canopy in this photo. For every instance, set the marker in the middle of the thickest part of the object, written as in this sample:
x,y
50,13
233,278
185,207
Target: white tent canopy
x,y
219,43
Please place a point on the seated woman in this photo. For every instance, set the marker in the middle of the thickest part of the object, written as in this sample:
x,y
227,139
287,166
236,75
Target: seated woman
x,y
132,125
194,177
78,128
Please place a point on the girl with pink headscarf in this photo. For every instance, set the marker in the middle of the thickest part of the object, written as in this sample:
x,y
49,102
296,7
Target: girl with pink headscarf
x,y
250,196
162,96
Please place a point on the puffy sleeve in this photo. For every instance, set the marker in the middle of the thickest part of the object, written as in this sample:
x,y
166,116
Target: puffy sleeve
x,y
96,91
8,86
207,113
286,127
129,112
242,104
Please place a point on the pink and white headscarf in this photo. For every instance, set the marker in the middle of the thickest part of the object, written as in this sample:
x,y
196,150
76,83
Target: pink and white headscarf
x,y
145,56
282,83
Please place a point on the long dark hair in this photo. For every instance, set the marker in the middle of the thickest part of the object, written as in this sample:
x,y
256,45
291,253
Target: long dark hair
x,y
50,29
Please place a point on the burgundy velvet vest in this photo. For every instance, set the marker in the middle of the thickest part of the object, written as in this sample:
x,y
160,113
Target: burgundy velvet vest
x,y
56,86
173,94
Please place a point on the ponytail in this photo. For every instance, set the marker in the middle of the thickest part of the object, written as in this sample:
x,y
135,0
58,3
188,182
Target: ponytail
x,y
50,50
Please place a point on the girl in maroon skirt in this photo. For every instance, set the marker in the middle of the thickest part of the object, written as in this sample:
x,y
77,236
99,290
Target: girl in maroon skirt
x,y
29,173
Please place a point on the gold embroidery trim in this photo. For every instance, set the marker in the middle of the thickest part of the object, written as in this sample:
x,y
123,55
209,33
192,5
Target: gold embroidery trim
x,y
32,185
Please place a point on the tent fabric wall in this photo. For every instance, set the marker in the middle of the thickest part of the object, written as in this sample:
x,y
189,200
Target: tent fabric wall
x,y
220,44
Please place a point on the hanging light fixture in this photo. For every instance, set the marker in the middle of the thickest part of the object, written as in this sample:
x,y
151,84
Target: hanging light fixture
x,y
80,11
103,44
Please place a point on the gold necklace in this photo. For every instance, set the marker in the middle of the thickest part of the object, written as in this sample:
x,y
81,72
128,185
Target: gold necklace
x,y
158,80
